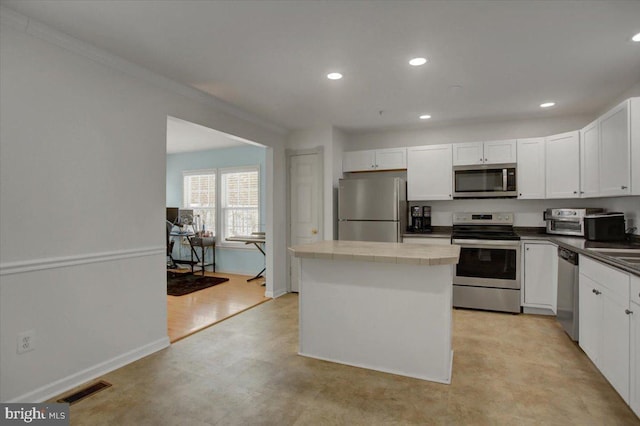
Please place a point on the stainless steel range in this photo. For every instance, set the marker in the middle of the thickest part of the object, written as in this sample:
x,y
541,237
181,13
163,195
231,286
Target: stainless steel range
x,y
487,275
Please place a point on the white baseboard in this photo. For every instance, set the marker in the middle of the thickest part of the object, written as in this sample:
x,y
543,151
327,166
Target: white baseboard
x,y
276,294
60,386
537,311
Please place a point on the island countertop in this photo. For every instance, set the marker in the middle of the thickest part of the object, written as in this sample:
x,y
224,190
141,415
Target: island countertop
x,y
414,254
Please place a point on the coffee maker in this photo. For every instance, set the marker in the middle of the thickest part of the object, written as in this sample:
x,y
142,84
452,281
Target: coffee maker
x,y
420,221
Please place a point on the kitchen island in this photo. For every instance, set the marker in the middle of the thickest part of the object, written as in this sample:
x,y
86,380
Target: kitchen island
x,y
381,306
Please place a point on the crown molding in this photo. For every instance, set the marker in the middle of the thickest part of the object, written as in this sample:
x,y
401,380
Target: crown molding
x,y
46,33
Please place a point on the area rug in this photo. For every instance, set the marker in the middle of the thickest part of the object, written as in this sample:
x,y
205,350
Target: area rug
x,y
179,284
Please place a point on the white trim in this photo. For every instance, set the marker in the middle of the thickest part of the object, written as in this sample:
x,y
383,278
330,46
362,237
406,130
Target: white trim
x,y
59,386
275,295
22,266
44,32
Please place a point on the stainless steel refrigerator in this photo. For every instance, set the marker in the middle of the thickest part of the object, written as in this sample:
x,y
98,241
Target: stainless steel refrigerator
x,y
372,209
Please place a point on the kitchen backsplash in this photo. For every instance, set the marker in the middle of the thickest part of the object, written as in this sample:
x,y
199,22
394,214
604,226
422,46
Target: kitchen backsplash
x,y
529,212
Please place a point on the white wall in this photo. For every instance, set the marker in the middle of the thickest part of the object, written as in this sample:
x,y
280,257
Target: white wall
x,y
465,132
82,183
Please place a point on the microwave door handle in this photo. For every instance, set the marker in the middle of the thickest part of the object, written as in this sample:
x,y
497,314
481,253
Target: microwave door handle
x,y
504,179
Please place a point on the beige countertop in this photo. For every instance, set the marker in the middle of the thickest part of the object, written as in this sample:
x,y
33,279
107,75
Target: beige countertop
x,y
415,254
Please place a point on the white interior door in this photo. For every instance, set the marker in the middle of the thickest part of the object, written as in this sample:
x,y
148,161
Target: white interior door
x,y
306,205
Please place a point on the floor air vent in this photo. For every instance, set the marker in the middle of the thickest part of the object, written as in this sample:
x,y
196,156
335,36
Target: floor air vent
x,y
85,393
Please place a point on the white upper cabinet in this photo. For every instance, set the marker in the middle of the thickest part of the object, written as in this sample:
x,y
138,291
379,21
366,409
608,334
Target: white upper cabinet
x,y
615,151
429,173
468,153
563,165
495,152
531,168
358,161
590,161
374,160
391,159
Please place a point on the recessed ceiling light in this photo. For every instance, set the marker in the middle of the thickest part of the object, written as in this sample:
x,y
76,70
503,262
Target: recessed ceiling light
x,y
636,38
334,76
547,105
416,62
425,117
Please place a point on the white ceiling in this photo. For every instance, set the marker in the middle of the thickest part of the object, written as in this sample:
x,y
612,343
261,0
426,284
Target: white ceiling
x,y
270,58
184,136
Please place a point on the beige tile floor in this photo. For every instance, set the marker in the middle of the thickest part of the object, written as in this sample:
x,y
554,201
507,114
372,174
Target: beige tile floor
x,y
508,370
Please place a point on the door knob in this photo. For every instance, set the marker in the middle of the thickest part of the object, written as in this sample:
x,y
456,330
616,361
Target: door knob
x,y
628,312
623,187
314,231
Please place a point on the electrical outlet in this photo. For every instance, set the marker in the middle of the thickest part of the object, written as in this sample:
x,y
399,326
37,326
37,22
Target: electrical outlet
x,y
26,341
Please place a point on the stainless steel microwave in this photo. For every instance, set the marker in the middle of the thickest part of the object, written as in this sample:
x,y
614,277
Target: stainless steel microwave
x,y
485,181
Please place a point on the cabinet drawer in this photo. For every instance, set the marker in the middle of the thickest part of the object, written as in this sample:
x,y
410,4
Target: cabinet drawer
x,y
610,278
635,289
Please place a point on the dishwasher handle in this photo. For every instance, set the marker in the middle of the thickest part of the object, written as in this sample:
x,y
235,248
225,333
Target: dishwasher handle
x,y
568,255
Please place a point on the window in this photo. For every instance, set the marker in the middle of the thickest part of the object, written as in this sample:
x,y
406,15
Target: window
x,y
227,200
240,201
199,194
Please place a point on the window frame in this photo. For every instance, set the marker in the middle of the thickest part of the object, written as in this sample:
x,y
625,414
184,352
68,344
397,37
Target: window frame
x,y
221,210
201,172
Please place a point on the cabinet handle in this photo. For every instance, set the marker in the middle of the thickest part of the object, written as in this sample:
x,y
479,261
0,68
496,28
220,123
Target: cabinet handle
x,y
596,292
575,192
480,160
628,312
373,166
623,187
582,192
485,160
527,248
520,194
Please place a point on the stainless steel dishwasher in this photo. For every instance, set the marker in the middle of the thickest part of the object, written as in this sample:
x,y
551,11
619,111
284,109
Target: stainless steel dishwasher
x,y
567,309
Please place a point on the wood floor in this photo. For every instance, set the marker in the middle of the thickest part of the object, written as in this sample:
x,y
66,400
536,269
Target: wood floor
x,y
198,310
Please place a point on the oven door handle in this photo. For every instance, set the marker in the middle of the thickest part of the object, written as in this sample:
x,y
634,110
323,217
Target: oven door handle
x,y
492,243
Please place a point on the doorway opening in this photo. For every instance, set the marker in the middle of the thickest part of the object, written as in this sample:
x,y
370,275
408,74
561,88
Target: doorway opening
x,y
215,196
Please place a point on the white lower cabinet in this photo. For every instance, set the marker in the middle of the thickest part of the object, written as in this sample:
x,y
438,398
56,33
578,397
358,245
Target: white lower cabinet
x,y
605,321
634,388
540,272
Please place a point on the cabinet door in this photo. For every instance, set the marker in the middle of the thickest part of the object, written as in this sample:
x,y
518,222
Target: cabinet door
x,y
634,388
614,353
589,161
358,161
467,153
391,159
531,168
540,276
563,165
590,317
497,152
615,152
429,173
